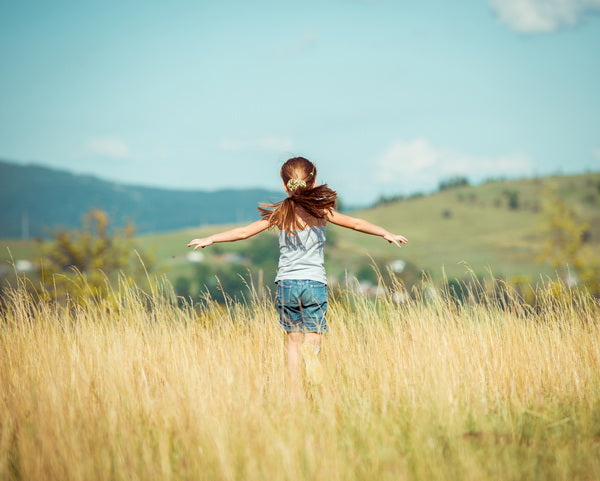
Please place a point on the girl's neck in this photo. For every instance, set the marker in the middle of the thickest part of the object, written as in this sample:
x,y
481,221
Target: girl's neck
x,y
305,220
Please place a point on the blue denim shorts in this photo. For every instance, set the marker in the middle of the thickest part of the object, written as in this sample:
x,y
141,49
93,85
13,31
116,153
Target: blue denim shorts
x,y
302,305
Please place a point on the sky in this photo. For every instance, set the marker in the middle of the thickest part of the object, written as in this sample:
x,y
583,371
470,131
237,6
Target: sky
x,y
387,97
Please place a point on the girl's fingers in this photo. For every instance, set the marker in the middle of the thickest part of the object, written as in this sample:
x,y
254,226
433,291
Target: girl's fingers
x,y
397,239
200,243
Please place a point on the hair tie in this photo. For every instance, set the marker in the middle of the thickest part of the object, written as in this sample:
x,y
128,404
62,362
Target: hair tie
x,y
293,184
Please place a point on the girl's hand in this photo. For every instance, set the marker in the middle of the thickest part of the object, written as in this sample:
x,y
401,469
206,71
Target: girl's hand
x,y
395,239
204,242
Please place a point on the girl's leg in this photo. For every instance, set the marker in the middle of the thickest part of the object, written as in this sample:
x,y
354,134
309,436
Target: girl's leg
x,y
314,307
313,338
294,341
310,350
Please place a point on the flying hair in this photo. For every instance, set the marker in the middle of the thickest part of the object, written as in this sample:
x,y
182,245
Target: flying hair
x,y
299,176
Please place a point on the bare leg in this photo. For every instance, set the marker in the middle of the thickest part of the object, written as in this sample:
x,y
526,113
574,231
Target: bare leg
x,y
310,350
294,341
313,338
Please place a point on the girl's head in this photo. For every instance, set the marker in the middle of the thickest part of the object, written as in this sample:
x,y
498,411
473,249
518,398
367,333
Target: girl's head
x,y
298,174
299,177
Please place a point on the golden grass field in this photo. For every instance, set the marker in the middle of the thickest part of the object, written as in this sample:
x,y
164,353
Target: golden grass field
x,y
139,388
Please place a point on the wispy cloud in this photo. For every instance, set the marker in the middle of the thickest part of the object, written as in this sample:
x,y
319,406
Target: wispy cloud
x,y
542,16
275,143
111,147
270,142
406,163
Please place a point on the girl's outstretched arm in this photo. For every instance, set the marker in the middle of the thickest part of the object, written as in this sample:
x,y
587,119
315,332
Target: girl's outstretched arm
x,y
362,225
238,233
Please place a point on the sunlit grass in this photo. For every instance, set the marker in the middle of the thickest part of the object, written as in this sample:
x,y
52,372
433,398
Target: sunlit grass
x,y
138,387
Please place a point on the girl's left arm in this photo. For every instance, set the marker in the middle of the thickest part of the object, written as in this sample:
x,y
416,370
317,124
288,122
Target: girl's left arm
x,y
362,225
232,235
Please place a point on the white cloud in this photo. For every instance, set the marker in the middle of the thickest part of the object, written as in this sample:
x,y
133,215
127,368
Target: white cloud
x,y
270,142
275,143
411,156
419,163
111,147
540,16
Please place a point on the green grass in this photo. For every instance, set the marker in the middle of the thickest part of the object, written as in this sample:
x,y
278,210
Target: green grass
x,y
17,249
478,233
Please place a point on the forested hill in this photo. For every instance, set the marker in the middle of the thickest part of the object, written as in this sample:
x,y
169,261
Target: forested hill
x,y
36,199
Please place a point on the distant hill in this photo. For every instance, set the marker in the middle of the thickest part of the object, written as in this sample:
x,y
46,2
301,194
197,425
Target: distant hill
x,y
36,199
494,226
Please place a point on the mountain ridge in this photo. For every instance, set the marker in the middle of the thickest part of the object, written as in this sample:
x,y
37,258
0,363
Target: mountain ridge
x,y
38,199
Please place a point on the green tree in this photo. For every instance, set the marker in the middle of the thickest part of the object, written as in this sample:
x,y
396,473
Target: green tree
x,y
453,183
83,264
513,198
564,241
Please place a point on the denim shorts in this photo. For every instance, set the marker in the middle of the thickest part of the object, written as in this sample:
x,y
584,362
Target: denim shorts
x,y
301,305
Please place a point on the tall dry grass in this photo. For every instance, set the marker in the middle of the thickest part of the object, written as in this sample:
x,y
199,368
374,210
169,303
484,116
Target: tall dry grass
x,y
138,388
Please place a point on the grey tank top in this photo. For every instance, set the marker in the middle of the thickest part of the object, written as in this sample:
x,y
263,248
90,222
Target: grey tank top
x,y
301,255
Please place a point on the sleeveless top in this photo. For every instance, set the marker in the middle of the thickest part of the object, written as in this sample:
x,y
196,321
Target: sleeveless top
x,y
301,255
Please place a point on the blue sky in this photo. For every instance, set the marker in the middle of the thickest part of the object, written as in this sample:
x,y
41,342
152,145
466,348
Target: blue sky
x,y
385,96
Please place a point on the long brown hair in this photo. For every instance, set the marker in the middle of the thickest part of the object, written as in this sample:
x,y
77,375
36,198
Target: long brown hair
x,y
299,175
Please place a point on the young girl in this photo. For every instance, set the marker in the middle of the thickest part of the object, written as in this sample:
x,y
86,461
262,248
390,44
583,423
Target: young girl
x,y
301,280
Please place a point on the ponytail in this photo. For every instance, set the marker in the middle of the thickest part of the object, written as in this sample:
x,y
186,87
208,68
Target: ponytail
x,y
318,202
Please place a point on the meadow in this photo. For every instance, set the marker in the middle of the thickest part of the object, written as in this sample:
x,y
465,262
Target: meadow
x,y
446,229
470,224
139,386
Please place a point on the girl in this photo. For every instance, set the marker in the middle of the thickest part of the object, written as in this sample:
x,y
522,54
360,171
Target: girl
x,y
301,280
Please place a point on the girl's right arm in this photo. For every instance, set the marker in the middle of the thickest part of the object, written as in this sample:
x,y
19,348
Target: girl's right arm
x,y
362,225
238,233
